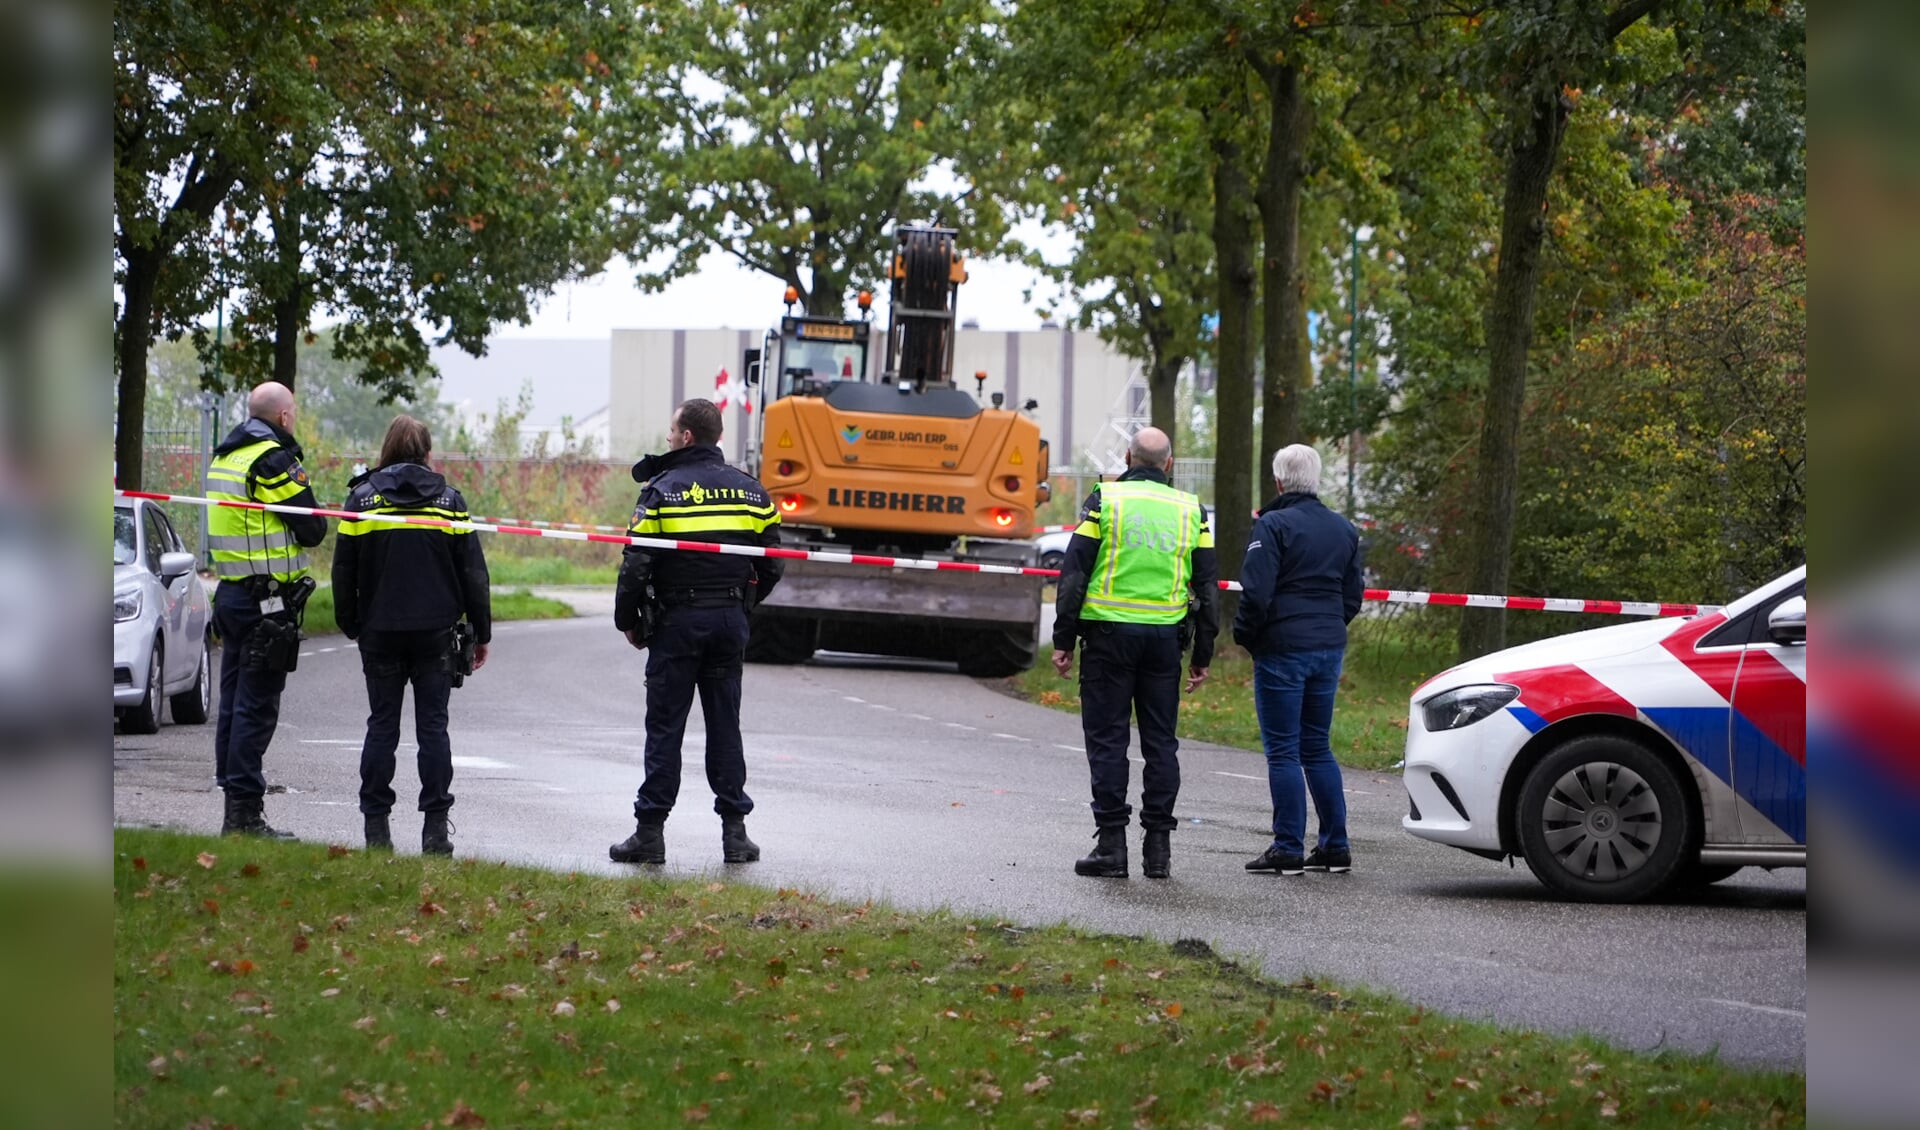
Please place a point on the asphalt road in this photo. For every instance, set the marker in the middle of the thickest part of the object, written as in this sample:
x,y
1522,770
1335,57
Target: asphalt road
x,y
907,783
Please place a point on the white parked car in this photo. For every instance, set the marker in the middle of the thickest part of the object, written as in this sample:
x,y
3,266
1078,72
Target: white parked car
x,y
1626,760
162,622
1053,548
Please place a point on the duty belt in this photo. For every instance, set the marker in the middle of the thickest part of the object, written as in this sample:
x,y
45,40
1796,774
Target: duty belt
x,y
700,598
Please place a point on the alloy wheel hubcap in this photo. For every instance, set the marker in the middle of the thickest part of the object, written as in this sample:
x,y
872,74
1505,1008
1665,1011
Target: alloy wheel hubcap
x,y
1602,821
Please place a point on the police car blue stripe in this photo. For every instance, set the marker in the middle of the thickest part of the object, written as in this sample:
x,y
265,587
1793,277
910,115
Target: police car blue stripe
x,y
1533,722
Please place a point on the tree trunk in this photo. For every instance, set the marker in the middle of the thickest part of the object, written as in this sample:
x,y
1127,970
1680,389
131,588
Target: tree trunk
x,y
287,328
136,335
1233,244
1283,282
1163,376
1523,230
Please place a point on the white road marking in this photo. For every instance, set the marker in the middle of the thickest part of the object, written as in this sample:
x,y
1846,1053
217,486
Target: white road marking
x,y
325,650
335,803
1068,748
460,762
960,725
306,655
1242,776
1793,1012
878,706
329,741
921,717
850,698
1011,737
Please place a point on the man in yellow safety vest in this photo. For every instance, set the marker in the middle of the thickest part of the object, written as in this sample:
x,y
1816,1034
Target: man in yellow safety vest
x,y
260,557
1138,579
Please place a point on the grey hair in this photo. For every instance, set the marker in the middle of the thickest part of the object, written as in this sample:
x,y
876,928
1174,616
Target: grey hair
x,y
1151,448
1296,467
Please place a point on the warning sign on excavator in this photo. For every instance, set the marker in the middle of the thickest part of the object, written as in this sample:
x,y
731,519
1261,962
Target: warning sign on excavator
x,y
786,439
1015,458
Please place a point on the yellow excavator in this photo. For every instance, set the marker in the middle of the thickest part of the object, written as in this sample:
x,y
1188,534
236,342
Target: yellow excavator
x,y
906,465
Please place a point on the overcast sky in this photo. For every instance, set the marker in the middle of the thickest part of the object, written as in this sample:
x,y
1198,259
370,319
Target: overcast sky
x,y
723,294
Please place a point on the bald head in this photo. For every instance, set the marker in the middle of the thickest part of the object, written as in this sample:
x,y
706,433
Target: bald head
x,y
1150,448
272,402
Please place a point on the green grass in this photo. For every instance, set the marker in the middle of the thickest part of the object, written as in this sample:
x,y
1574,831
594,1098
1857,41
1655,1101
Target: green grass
x,y
508,570
269,984
517,605
1386,660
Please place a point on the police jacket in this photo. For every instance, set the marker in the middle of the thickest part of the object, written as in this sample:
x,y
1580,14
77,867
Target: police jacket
x,y
1301,576
1084,553
395,577
259,462
693,495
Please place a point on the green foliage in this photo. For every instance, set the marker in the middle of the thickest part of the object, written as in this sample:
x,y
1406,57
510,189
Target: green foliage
x,y
252,978
793,137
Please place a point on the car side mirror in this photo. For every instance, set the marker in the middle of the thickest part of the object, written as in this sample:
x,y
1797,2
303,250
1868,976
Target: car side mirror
x,y
175,565
1787,623
750,366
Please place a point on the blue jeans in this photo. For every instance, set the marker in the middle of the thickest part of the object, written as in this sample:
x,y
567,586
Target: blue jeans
x,y
1293,696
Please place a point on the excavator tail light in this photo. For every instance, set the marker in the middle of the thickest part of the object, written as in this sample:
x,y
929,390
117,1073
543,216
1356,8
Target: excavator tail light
x,y
1003,518
789,503
784,467
1013,483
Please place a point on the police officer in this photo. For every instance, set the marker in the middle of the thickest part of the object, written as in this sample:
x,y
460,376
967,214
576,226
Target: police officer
x,y
689,609
1139,565
260,558
400,589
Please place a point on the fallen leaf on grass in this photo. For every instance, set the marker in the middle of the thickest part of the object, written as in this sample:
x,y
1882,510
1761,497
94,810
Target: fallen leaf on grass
x,y
335,851
139,863
1039,1084
563,1008
364,1023
330,992
695,1113
462,1115
1264,1112
429,909
206,859
613,1004
1174,1010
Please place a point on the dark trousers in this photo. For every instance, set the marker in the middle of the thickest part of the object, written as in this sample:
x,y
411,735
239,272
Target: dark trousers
x,y
249,698
391,660
1131,669
703,649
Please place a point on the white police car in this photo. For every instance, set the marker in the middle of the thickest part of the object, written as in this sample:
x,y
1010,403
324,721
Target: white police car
x,y
1626,760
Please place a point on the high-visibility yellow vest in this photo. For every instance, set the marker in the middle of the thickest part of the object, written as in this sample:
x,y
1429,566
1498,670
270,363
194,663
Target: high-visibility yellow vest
x,y
252,543
1148,532
705,510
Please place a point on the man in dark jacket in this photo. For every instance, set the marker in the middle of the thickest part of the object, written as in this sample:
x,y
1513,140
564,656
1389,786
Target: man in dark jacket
x,y
1140,566
1302,582
688,610
399,589
260,557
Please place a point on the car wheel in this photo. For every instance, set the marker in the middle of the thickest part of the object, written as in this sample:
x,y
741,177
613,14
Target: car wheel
x,y
193,704
1052,559
145,718
1603,819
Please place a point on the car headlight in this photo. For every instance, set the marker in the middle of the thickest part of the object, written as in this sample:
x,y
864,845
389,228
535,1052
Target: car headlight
x,y
1463,706
126,605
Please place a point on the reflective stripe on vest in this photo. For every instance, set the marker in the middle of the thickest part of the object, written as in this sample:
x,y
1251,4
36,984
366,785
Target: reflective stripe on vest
x,y
251,543
360,527
712,517
1148,532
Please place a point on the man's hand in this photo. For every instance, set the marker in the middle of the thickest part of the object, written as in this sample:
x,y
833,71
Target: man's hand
x,y
479,656
1195,676
1063,662
633,637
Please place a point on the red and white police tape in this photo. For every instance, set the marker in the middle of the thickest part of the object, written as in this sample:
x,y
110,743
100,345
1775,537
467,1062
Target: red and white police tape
x,y
550,530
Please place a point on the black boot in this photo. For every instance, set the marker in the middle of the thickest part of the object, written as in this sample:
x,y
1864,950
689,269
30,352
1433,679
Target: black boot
x,y
246,816
379,833
648,844
1156,854
436,834
1109,857
735,847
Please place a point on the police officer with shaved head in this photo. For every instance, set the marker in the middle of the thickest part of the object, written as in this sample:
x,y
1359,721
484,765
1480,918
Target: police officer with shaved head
x,y
261,559
688,610
1139,580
